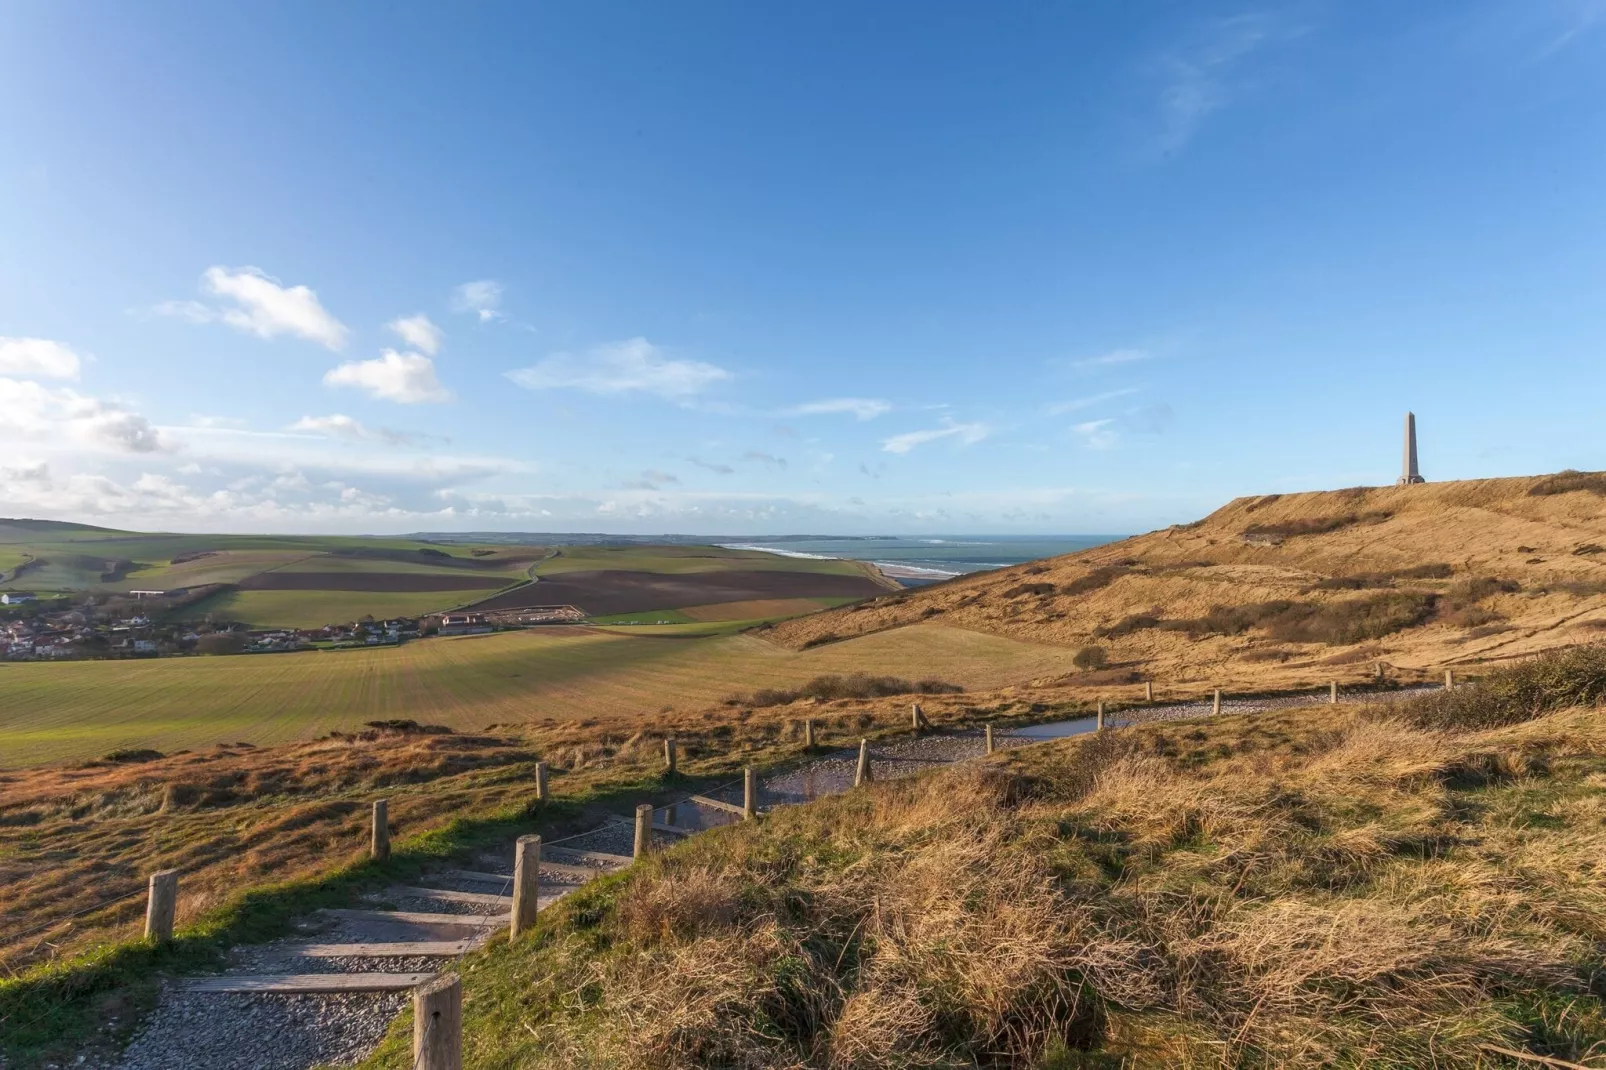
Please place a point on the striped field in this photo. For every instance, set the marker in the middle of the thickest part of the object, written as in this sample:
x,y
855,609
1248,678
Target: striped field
x,y
52,712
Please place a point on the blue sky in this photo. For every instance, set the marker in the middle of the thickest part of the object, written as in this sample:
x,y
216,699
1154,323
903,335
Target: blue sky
x,y
759,268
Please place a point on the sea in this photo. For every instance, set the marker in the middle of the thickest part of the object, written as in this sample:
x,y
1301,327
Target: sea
x,y
913,561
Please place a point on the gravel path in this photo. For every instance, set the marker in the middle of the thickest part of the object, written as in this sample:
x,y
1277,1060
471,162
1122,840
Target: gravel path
x,y
189,1031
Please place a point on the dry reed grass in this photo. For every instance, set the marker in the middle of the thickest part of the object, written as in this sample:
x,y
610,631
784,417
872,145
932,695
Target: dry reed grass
x,y
1320,887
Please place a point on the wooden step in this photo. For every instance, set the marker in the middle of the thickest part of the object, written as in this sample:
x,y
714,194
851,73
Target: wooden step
x,y
409,917
308,983
445,895
590,856
583,872
435,949
718,804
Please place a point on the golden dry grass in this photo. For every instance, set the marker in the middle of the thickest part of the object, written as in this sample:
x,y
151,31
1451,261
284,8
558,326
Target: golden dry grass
x,y
1480,528
1315,887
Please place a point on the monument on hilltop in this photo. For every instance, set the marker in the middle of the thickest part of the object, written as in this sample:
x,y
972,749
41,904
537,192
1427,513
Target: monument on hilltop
x,y
1409,473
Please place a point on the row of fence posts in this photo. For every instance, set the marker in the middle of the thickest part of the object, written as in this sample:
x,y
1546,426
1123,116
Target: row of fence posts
x,y
438,1003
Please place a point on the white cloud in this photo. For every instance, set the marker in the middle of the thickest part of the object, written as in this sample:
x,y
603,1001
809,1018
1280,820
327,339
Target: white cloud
x,y
263,307
482,297
965,434
38,357
1114,356
406,378
718,469
1098,434
418,332
338,425
621,367
860,408
1076,404
30,411
1198,78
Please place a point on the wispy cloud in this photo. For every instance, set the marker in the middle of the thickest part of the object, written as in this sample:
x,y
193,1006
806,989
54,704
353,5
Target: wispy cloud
x,y
1113,357
651,479
418,332
338,425
263,306
1098,434
482,298
631,366
964,434
1105,434
1077,404
765,458
859,408
1203,74
719,469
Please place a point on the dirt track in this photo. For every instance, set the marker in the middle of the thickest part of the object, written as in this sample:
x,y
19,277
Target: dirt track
x,y
606,591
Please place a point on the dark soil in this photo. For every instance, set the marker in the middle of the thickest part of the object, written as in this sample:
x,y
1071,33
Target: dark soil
x,y
607,591
368,581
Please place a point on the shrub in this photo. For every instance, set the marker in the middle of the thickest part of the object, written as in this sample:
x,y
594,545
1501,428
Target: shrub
x,y
821,640
1137,622
1316,525
1029,588
855,685
1099,577
1090,657
1574,676
1569,480
132,754
1353,621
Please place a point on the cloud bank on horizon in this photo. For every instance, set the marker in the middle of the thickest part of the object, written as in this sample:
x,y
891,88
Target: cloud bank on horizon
x,y
1128,268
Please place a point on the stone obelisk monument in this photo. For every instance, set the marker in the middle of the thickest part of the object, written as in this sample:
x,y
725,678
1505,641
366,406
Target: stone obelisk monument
x,y
1408,472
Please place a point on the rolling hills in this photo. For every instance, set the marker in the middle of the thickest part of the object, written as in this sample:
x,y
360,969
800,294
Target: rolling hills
x,y
1276,591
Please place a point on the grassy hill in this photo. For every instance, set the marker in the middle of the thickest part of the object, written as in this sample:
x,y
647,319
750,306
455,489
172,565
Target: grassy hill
x,y
55,711
1345,887
1290,590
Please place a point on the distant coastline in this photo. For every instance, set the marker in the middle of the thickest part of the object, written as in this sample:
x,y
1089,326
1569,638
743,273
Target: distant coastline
x,y
912,562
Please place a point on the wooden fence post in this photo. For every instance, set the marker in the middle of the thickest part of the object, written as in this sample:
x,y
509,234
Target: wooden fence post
x,y
1449,679
669,756
1148,691
526,884
379,837
1099,725
988,729
540,782
808,733
1332,692
749,794
161,906
862,774
1215,706
1380,671
643,830
438,1024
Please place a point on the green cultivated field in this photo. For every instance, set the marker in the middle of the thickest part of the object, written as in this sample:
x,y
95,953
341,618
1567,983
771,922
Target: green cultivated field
x,y
314,609
61,711
304,581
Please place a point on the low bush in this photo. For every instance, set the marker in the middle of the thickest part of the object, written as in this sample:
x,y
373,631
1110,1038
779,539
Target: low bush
x,y
1021,589
1136,622
1574,676
1333,623
1569,480
1315,525
1090,657
1099,577
856,685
